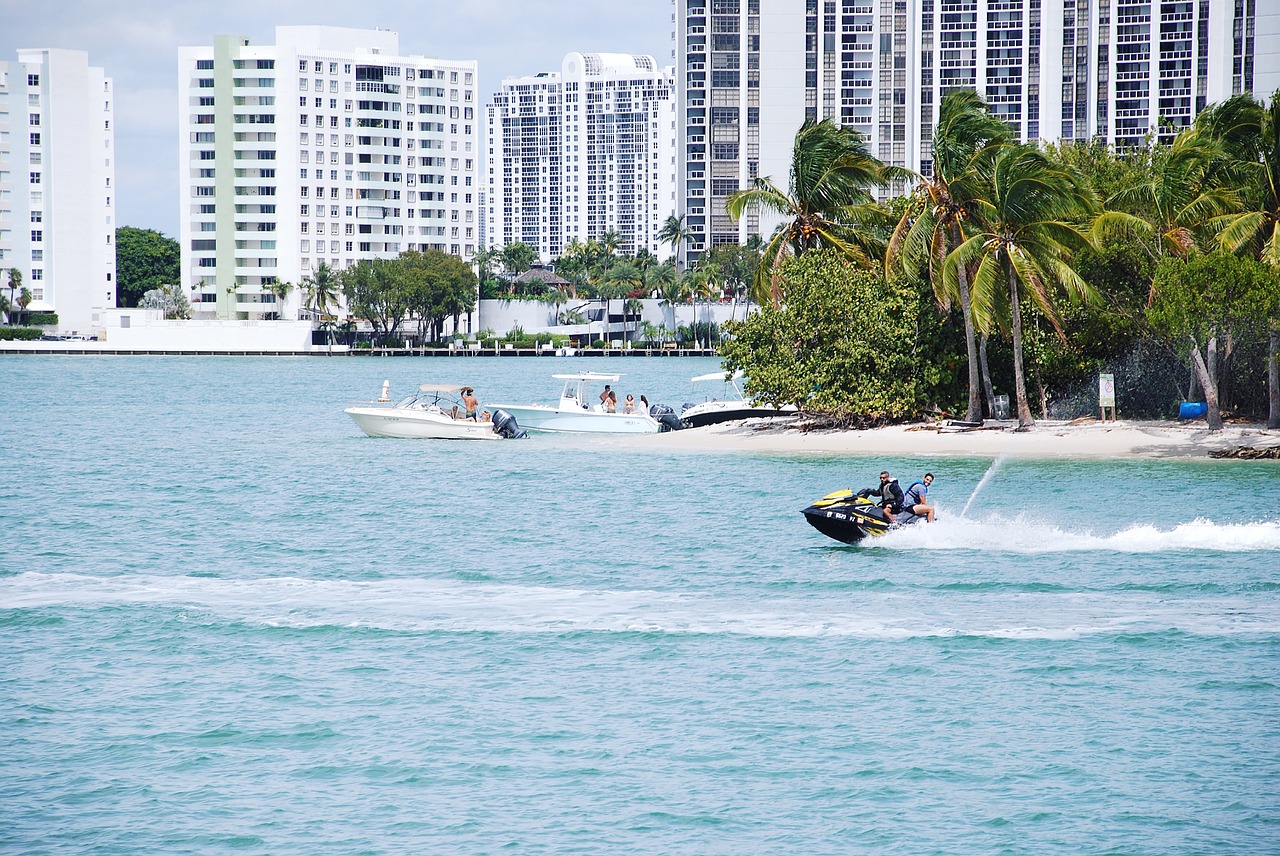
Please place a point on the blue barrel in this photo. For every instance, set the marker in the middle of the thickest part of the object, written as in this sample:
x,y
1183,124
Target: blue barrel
x,y
1192,409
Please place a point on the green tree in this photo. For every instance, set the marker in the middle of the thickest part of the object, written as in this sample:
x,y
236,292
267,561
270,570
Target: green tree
x,y
145,260
281,291
375,289
966,140
321,288
677,234
24,300
517,257
842,342
15,283
1023,242
1206,299
1176,202
832,176
439,286
1250,133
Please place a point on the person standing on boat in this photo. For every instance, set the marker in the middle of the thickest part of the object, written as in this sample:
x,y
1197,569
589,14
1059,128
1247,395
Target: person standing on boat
x,y
611,403
891,497
469,399
604,397
916,498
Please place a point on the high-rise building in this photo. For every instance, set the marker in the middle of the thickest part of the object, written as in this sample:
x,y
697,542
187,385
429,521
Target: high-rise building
x,y
751,71
57,217
325,147
580,152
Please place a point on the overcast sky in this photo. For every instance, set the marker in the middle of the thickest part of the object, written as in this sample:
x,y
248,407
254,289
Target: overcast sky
x,y
136,42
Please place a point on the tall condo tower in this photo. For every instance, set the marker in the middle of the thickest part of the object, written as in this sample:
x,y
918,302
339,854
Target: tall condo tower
x,y
57,217
751,71
581,152
325,147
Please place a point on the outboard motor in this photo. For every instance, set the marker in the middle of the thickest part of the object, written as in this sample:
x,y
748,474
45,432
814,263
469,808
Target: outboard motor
x,y
666,417
505,424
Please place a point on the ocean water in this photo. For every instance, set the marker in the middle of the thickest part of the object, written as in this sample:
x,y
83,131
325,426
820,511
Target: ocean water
x,y
229,622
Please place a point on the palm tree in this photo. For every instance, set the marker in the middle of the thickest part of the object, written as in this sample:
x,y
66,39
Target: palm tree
x,y
1250,134
677,234
15,282
281,290
674,292
1177,202
1024,239
832,174
610,242
705,284
633,307
320,289
24,300
965,140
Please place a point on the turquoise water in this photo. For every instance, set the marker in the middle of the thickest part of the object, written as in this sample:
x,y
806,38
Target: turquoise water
x,y
231,622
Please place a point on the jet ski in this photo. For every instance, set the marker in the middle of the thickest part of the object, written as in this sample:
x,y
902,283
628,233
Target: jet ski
x,y
849,517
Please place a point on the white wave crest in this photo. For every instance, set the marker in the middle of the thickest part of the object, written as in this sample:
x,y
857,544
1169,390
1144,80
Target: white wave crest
x,y
419,605
1022,535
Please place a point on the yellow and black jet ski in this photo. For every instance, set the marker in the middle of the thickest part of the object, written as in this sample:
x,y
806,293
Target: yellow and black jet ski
x,y
849,517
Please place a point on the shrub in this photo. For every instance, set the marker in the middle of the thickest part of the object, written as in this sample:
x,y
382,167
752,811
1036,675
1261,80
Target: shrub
x,y
23,334
43,319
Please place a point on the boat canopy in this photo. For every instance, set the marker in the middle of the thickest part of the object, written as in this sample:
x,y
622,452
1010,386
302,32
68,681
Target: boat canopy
x,y
720,376
438,387
587,376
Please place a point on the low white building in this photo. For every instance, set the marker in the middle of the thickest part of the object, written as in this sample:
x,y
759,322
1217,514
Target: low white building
x,y
57,217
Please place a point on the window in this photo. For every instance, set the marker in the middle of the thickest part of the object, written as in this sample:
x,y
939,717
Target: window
x,y
33,80
35,178
37,255
35,139
204,64
33,120
37,216
205,82
37,273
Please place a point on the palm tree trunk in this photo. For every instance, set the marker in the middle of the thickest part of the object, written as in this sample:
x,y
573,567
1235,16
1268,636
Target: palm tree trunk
x,y
1025,420
972,413
1214,414
1273,376
986,377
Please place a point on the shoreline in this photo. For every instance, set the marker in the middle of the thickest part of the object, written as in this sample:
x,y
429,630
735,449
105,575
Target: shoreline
x,y
1048,440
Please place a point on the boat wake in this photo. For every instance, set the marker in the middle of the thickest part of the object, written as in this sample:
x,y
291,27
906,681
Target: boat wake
x,y
416,605
1022,535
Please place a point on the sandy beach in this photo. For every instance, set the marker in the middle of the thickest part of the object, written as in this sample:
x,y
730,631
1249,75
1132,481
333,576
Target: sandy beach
x,y
1088,439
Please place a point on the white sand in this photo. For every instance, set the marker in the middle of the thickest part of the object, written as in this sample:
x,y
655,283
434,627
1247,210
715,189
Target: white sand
x,y
1123,439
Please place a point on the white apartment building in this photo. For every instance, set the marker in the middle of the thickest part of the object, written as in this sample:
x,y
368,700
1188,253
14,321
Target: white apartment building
x,y
751,71
327,146
580,152
57,218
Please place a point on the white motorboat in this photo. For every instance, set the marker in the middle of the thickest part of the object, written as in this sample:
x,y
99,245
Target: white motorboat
x,y
434,412
574,415
732,404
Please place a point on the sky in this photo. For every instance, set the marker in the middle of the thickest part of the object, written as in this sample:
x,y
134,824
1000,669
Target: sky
x,y
137,43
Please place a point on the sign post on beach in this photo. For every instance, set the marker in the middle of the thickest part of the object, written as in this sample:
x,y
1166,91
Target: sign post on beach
x,y
1107,395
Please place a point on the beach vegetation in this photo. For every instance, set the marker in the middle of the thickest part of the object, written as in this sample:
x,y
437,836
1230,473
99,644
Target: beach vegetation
x,y
828,203
843,341
1209,305
941,210
1022,247
20,334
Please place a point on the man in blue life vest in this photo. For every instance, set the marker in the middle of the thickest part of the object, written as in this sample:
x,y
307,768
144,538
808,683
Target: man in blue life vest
x,y
917,496
890,495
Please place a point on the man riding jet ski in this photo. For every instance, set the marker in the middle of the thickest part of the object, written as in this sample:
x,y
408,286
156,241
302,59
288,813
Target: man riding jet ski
x,y
849,517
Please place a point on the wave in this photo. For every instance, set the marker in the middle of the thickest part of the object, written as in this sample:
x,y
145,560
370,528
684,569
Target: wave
x,y
1022,535
417,605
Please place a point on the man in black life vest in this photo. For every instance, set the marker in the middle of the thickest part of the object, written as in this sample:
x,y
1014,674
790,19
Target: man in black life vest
x,y
890,495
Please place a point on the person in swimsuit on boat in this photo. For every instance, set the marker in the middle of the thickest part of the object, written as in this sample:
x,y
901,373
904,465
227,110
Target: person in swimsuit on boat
x,y
469,399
